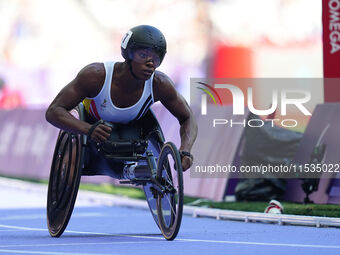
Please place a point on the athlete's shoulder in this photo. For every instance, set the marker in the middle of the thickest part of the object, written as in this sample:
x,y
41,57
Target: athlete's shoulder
x,y
92,71
91,78
161,78
163,86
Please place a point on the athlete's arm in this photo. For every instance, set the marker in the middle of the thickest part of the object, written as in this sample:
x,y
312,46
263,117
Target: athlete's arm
x,y
87,84
165,92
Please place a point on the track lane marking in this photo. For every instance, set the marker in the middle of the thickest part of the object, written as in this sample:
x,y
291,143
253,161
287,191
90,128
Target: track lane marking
x,y
186,240
70,244
49,252
43,216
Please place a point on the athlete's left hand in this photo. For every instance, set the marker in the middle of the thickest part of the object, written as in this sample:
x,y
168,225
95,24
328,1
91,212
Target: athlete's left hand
x,y
187,160
186,163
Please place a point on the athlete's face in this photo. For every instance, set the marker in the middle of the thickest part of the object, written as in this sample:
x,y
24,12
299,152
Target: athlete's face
x,y
144,62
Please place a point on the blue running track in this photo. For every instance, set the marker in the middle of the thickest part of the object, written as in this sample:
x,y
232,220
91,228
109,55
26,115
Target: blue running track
x,y
115,230
96,227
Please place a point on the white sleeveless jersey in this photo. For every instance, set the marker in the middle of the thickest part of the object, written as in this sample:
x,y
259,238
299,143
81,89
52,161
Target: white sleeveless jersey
x,y
101,106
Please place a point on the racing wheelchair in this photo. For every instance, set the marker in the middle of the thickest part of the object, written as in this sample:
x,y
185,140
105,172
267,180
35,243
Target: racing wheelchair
x,y
134,153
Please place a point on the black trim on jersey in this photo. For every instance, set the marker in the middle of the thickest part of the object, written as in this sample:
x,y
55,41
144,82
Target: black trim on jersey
x,y
146,108
146,104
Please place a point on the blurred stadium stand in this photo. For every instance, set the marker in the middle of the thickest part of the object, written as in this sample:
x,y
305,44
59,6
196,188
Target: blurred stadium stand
x,y
43,44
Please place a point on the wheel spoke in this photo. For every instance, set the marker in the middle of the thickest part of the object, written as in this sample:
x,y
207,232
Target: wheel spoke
x,y
171,206
167,175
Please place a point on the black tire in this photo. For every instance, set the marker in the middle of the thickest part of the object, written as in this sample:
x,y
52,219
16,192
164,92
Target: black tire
x,y
170,204
63,182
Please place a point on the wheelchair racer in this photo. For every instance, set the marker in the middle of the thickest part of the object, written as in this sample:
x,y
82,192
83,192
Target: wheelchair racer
x,y
121,92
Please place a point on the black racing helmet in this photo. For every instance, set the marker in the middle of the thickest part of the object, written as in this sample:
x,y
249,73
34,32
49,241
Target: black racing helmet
x,y
143,36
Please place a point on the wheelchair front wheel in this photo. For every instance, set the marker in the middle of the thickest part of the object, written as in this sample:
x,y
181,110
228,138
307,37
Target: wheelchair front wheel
x,y
63,182
170,202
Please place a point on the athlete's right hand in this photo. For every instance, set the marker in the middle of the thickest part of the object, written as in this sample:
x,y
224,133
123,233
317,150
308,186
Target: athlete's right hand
x,y
101,133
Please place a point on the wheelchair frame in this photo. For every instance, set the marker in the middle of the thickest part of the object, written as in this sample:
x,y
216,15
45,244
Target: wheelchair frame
x,y
75,156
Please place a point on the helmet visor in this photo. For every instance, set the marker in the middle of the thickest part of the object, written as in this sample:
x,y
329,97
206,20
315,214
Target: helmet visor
x,y
144,55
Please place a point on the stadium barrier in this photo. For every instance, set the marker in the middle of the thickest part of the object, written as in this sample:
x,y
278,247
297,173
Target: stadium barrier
x,y
27,143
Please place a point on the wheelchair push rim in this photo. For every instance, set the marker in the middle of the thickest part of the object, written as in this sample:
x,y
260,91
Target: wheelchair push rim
x,y
170,202
63,182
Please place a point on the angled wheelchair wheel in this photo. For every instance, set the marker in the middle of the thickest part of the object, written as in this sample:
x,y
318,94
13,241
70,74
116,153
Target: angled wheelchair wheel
x,y
170,202
151,197
63,182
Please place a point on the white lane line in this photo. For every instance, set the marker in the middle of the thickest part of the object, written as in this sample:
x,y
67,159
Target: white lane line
x,y
189,240
9,230
24,217
264,244
22,228
49,252
43,216
72,244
